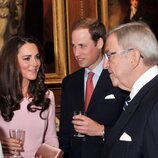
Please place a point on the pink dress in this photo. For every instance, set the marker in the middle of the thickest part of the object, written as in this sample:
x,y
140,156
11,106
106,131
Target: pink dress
x,y
37,129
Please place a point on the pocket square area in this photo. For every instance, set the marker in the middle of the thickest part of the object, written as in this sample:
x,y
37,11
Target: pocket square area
x,y
111,96
125,137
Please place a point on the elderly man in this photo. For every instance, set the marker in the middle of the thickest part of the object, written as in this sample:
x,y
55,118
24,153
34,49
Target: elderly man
x,y
132,52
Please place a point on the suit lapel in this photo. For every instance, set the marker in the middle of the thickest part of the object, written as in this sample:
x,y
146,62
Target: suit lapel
x,y
126,115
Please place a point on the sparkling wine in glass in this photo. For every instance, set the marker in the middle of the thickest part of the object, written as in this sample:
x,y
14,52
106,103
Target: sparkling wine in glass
x,y
79,112
18,134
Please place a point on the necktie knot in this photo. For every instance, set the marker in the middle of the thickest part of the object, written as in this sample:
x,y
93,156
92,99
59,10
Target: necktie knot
x,y
90,75
127,100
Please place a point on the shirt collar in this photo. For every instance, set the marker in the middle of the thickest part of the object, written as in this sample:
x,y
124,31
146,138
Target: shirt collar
x,y
143,79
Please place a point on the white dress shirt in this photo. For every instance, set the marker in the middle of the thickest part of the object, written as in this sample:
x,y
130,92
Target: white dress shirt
x,y
143,79
97,72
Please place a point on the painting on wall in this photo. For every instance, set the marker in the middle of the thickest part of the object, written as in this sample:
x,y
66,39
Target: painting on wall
x,y
39,23
123,11
47,25
43,20
10,19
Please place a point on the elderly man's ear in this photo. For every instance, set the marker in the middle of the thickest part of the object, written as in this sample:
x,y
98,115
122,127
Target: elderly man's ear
x,y
135,57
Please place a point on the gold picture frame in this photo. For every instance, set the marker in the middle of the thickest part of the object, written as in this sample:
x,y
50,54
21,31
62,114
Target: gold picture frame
x,y
58,12
58,69
104,13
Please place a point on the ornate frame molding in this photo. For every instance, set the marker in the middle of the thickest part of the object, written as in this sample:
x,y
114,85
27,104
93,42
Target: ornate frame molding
x,y
59,43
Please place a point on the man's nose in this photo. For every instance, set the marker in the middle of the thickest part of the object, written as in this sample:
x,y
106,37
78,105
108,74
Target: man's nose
x,y
106,64
76,51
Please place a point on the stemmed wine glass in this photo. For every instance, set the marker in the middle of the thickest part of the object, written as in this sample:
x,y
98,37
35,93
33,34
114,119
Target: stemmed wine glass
x,y
20,135
79,112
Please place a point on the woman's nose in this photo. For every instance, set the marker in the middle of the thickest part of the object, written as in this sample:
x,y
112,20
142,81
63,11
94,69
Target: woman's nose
x,y
34,62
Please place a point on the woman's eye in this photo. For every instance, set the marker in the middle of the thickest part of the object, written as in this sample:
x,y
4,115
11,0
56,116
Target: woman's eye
x,y
38,56
27,58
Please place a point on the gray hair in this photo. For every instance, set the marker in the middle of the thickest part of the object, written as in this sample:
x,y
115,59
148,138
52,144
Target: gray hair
x,y
138,35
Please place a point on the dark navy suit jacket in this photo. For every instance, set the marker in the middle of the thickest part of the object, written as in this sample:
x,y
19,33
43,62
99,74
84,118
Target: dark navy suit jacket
x,y
140,122
103,111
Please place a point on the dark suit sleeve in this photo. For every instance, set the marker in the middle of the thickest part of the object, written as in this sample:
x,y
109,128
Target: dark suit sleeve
x,y
65,125
150,144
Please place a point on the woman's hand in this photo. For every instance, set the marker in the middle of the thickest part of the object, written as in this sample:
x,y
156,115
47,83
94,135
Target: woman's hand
x,y
11,146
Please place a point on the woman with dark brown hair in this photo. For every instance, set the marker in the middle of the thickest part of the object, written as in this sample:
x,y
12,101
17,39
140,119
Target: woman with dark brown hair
x,y
25,101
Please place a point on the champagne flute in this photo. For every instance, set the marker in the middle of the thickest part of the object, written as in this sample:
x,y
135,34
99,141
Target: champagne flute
x,y
79,112
1,152
18,134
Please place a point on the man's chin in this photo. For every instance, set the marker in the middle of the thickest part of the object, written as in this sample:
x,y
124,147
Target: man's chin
x,y
82,65
114,82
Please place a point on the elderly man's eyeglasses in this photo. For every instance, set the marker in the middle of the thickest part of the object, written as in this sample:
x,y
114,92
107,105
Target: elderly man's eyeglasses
x,y
109,54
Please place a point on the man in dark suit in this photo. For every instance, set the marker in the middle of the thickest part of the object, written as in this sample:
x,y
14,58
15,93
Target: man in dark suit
x,y
132,51
88,38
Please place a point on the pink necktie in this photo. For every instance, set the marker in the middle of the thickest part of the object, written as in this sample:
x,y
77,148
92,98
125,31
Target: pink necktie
x,y
89,89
